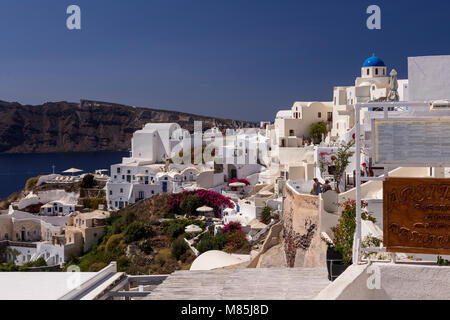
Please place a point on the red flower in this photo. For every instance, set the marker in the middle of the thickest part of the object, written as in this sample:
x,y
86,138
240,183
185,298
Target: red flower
x,y
354,136
364,164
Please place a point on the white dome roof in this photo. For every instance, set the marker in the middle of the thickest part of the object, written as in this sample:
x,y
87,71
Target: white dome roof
x,y
214,259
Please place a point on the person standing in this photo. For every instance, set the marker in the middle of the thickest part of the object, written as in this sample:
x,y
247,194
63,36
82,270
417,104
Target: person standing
x,y
326,187
317,187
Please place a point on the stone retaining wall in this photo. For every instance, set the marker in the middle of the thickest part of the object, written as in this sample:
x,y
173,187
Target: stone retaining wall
x,y
301,236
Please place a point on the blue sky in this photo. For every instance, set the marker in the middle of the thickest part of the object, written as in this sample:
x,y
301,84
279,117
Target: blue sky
x,y
241,59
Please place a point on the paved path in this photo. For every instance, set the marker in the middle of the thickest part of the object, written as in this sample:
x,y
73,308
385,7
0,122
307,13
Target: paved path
x,y
243,284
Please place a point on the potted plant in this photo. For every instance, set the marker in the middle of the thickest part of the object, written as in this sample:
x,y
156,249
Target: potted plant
x,y
339,252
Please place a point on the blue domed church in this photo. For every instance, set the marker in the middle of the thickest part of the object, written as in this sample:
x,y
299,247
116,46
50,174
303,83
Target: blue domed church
x,y
373,67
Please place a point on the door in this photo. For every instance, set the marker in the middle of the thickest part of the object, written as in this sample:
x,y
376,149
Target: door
x,y
233,173
164,186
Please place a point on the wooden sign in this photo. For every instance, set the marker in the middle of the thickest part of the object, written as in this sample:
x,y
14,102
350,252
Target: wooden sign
x,y
416,215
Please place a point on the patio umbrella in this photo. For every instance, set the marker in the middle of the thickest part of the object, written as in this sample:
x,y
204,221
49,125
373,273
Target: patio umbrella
x,y
192,228
72,170
205,209
237,184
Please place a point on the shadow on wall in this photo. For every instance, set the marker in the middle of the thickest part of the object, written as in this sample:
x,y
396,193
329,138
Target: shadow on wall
x,y
329,211
386,281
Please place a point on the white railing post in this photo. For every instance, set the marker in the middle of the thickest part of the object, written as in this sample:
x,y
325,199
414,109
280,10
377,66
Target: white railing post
x,y
357,236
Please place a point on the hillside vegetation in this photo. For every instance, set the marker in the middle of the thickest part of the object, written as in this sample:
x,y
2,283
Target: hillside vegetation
x,y
139,242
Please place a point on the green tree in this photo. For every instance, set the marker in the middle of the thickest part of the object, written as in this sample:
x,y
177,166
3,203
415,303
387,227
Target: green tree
x,y
88,181
136,231
266,215
341,161
174,230
206,243
316,130
178,247
190,203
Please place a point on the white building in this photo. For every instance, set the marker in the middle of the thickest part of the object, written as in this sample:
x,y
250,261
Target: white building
x,y
149,170
28,237
292,126
55,202
373,85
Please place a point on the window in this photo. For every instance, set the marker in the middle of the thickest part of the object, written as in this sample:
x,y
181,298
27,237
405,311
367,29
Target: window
x,y
319,114
368,71
128,171
110,192
123,177
121,190
118,169
291,133
376,71
384,72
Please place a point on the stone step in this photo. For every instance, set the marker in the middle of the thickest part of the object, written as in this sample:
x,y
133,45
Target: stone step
x,y
243,284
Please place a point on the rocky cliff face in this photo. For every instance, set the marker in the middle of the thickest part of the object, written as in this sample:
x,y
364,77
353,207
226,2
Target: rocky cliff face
x,y
85,126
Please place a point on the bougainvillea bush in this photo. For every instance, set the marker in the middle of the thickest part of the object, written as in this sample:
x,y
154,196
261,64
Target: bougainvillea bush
x,y
232,227
238,180
231,239
235,237
344,231
207,197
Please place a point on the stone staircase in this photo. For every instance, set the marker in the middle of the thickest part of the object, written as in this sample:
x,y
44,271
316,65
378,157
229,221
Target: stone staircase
x,y
243,284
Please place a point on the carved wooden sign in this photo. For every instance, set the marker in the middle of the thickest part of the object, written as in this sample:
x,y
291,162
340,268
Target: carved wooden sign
x,y
416,215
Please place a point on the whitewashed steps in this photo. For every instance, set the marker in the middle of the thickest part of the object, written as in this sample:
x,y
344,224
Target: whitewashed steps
x,y
243,284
